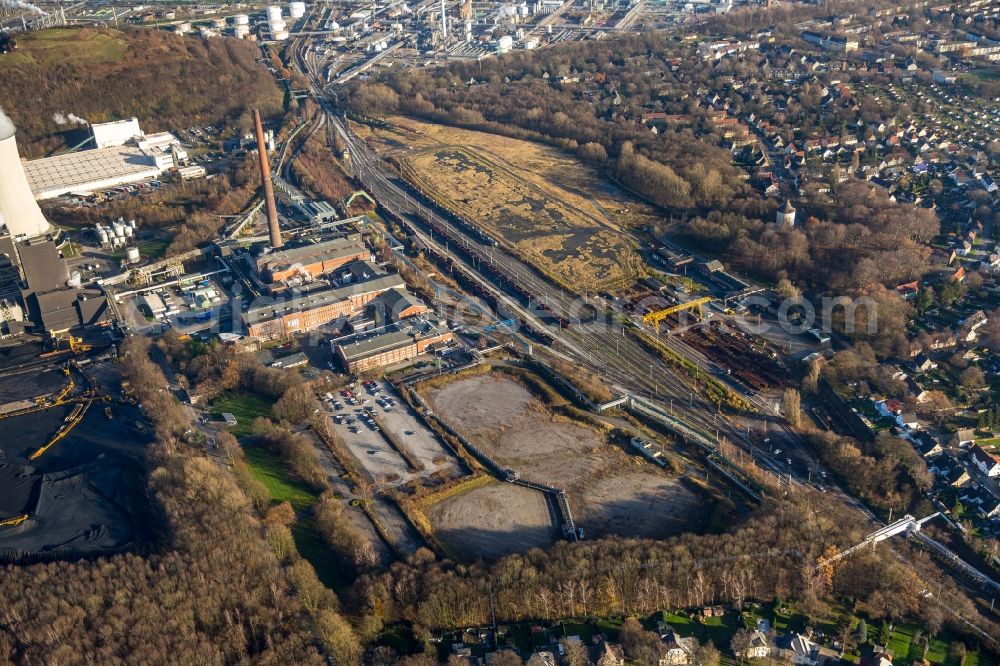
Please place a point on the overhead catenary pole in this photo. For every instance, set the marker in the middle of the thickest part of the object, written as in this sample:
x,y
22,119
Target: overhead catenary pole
x,y
273,229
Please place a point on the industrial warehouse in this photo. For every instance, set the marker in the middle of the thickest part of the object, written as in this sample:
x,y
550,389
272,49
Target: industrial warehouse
x,y
396,343
123,155
282,318
311,260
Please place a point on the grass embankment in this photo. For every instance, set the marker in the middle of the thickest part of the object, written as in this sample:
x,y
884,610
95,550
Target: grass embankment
x,y
273,472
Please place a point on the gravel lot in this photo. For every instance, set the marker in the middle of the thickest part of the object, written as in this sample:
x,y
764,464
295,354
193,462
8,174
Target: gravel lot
x,y
493,521
375,453
610,491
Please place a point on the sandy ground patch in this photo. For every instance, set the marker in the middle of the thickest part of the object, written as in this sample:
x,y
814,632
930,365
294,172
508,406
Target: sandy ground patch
x,y
493,521
483,403
609,491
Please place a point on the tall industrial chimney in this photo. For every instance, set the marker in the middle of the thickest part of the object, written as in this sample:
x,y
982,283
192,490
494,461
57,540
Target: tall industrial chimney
x,y
18,209
444,21
265,175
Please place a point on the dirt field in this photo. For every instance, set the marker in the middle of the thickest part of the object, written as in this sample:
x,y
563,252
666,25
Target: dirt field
x,y
493,521
561,215
610,491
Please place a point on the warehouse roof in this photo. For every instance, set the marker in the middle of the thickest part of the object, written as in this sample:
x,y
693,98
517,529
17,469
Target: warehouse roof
x,y
319,299
308,254
88,170
44,269
378,343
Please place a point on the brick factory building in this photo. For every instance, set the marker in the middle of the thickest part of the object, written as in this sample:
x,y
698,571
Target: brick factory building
x,y
315,259
282,318
402,342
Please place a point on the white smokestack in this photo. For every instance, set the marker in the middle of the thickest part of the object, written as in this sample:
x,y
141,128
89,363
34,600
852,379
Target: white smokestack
x,y
18,208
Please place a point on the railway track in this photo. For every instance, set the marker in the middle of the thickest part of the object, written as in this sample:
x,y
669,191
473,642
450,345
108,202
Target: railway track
x,y
598,345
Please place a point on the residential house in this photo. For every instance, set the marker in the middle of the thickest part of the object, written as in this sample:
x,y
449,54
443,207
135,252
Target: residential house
x,y
679,651
950,472
964,436
987,462
923,363
541,659
926,444
607,654
759,646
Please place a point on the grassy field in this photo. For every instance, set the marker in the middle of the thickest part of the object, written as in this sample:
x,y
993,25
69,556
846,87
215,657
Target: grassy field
x,y
563,216
270,469
245,407
58,45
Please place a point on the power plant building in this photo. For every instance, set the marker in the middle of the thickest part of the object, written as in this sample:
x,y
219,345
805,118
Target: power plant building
x,y
315,259
283,318
402,342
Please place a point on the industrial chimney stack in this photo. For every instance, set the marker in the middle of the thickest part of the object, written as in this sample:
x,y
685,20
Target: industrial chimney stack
x,y
265,175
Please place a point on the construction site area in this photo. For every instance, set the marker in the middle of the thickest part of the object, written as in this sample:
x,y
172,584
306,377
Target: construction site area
x,y
72,478
561,216
566,477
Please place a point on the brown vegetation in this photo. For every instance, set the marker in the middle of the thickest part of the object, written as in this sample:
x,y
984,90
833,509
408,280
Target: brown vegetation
x,y
166,80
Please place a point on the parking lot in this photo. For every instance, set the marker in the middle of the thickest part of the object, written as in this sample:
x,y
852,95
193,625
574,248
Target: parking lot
x,y
368,415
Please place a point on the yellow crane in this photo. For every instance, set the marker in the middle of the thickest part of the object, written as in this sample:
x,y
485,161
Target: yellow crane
x,y
654,318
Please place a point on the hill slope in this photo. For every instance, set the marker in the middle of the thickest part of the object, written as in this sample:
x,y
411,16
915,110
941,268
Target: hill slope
x,y
165,80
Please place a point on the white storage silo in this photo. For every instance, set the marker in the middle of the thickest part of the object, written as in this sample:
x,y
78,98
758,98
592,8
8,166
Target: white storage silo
x,y
241,31
102,235
280,35
132,255
129,231
241,19
296,9
273,13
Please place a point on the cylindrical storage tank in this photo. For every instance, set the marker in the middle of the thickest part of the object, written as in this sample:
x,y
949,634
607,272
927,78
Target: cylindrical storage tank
x,y
102,235
505,43
273,12
280,36
218,23
275,26
129,232
206,32
18,209
183,27
132,255
170,16
241,19
296,9
241,30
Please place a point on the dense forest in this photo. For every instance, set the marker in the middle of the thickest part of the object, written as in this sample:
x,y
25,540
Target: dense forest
x,y
56,77
213,592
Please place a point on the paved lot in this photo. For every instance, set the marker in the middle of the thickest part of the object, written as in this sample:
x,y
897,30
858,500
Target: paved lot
x,y
375,453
